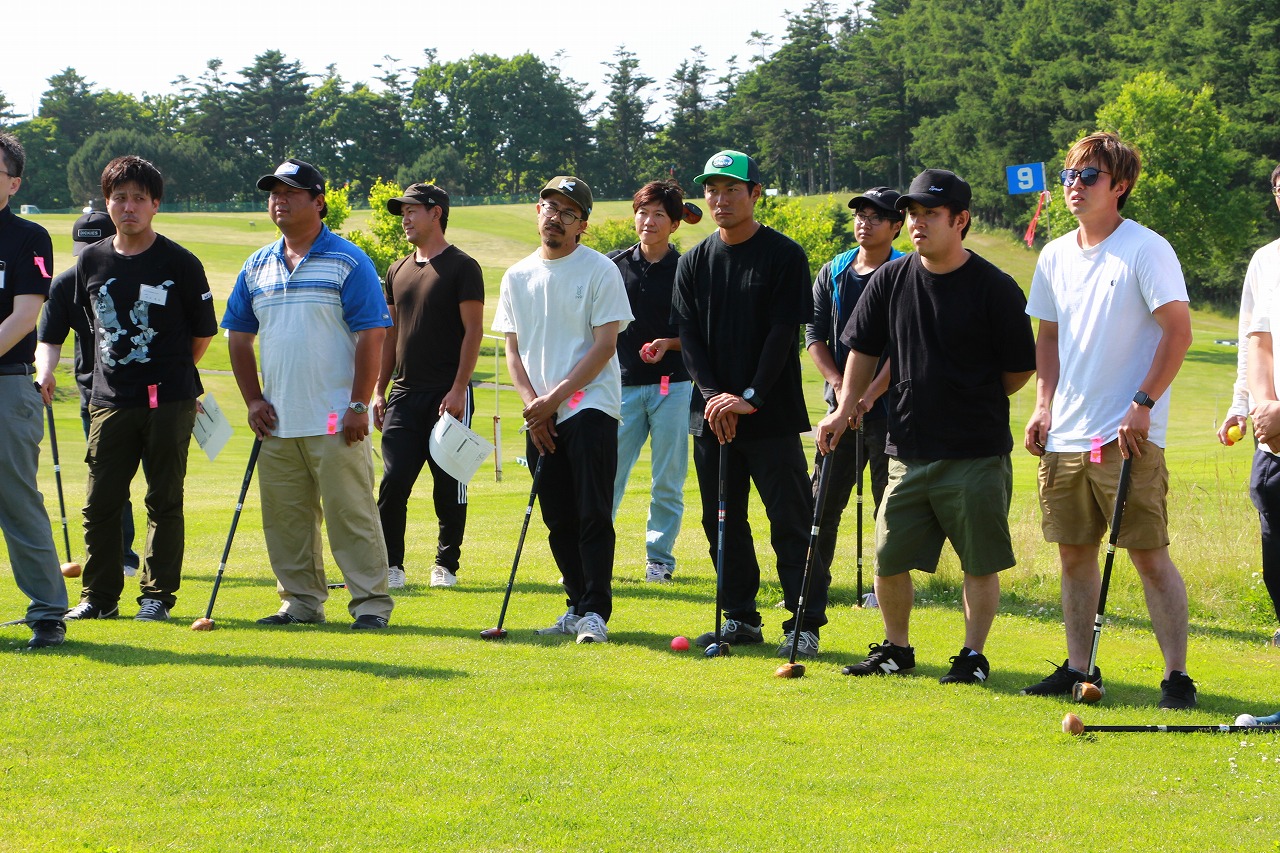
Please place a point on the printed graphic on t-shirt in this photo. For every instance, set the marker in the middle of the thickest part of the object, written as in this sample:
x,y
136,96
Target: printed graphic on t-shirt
x,y
138,334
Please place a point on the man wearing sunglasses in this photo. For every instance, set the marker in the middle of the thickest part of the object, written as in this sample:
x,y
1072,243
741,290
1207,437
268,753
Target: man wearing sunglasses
x,y
561,310
1114,328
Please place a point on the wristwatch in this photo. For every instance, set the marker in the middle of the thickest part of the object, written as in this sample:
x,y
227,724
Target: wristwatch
x,y
1142,399
358,408
752,399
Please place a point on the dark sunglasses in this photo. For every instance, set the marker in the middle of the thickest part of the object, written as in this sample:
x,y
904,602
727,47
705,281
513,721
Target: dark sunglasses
x,y
1088,176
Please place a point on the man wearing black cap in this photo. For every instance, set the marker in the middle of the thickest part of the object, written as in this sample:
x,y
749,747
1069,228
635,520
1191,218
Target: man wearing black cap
x,y
958,343
61,317
741,296
436,300
561,310
26,261
836,290
315,302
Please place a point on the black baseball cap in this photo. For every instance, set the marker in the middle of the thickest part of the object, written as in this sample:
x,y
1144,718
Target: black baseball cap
x,y
574,189
936,187
426,194
884,198
89,229
295,173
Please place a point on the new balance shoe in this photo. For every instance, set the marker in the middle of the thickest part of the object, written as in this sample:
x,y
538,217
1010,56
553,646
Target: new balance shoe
x,y
369,622
395,578
592,629
885,659
566,624
1062,681
1177,692
88,610
807,647
46,633
734,633
152,610
440,576
655,572
968,667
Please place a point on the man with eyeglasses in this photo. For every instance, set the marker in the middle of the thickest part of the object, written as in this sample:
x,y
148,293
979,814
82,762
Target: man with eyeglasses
x,y
836,290
561,310
26,264
1115,326
1256,369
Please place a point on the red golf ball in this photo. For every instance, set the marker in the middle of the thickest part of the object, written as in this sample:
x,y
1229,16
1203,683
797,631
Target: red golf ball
x,y
680,644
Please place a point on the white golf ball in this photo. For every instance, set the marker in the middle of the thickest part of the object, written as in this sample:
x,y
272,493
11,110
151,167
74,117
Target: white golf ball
x,y
1246,720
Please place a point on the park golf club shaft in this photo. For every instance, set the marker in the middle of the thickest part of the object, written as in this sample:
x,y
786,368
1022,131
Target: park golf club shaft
x,y
719,648
231,534
1122,491
791,669
499,632
857,463
57,476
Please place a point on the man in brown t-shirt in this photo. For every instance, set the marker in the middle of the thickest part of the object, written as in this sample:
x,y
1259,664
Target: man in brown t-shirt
x,y
436,299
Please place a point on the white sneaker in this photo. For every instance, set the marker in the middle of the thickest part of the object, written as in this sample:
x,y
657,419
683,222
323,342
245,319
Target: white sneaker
x,y
440,576
655,572
566,624
591,629
395,578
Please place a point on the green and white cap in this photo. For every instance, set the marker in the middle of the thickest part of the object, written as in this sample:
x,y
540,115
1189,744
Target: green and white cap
x,y
731,164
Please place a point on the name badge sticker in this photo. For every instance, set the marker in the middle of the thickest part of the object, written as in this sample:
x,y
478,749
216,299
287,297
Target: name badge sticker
x,y
1,275
152,294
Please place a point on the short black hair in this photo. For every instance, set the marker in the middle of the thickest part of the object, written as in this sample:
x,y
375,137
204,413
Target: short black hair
x,y
131,168
15,156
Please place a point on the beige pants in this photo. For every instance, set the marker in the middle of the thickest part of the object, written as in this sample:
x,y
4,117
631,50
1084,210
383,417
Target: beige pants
x,y
301,478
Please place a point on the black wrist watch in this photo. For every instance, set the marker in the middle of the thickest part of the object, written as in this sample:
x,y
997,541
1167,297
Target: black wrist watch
x,y
1142,399
752,399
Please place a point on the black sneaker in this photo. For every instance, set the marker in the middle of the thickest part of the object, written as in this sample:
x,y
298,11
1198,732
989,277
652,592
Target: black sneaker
x,y
1177,692
88,610
968,667
281,618
46,633
368,622
152,610
885,659
1062,681
734,633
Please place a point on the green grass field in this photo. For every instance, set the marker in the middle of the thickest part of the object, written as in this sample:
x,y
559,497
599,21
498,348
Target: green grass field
x,y
150,736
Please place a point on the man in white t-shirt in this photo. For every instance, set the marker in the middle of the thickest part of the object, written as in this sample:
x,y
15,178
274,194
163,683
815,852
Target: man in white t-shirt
x,y
1258,307
561,310
1115,326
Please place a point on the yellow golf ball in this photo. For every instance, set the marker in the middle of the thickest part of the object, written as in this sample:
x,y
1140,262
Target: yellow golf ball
x,y
1234,433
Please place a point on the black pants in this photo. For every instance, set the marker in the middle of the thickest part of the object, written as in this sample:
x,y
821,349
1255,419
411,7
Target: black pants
x,y
576,496
777,467
1264,489
406,429
841,480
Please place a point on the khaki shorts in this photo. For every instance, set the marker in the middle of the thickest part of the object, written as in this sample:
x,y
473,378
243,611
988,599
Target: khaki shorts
x,y
929,502
1077,498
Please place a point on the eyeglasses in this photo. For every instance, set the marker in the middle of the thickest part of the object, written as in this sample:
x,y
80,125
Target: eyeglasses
x,y
1088,176
1275,191
872,218
566,217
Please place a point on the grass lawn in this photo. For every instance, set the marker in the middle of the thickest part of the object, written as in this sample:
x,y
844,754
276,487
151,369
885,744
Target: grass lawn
x,y
150,736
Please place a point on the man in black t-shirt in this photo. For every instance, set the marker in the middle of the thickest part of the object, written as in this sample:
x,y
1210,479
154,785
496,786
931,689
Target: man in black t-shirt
x,y
153,319
436,300
26,260
741,296
958,342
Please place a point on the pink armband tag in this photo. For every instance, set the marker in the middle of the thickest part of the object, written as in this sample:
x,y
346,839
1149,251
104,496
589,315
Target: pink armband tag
x,y
153,396
664,386
44,273
576,399
1095,449
333,423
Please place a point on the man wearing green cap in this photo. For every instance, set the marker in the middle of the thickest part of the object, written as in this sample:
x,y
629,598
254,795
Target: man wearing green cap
x,y
741,296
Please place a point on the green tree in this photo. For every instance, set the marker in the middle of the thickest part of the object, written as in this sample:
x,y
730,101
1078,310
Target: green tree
x,y
190,173
385,242
623,134
264,112
685,142
44,180
338,200
823,232
442,166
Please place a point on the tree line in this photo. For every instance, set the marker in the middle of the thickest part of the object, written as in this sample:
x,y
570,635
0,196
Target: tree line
x,y
849,96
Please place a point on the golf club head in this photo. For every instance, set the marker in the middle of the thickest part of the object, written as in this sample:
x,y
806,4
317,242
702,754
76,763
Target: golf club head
x,y
692,213
71,570
204,623
1072,725
1086,693
493,634
717,650
790,670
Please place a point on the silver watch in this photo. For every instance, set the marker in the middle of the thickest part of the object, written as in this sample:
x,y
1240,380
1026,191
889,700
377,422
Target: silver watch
x,y
358,408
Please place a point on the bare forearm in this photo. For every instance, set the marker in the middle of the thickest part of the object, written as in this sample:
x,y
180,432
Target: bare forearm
x,y
826,364
244,366
1261,368
368,362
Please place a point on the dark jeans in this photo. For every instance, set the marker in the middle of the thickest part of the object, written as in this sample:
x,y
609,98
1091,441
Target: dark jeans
x,y
406,431
120,440
843,477
1264,490
777,467
576,496
126,517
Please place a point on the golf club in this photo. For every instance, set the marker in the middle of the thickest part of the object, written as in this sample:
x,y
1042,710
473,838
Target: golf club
x,y
791,669
1085,691
499,632
718,648
13,622
205,623
858,462
70,569
1073,725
